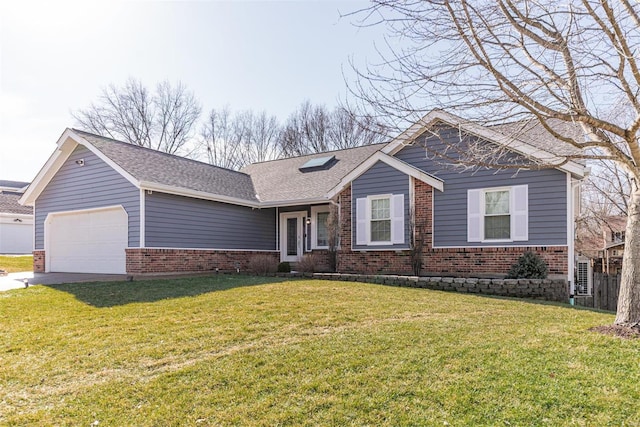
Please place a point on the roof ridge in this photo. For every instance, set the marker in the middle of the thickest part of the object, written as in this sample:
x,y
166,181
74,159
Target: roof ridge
x,y
159,151
318,153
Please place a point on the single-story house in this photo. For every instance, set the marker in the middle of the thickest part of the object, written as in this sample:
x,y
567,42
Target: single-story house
x,y
111,207
16,220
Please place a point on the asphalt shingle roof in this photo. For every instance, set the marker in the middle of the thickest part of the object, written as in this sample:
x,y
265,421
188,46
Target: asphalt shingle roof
x,y
533,133
282,180
149,165
9,203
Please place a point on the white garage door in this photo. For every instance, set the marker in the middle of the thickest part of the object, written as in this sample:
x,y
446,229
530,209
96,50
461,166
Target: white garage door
x,y
16,237
87,241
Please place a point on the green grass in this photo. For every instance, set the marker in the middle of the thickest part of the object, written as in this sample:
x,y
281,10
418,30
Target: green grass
x,y
14,264
233,350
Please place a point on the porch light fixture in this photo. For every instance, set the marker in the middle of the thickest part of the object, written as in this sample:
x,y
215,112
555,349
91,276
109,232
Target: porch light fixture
x,y
308,220
80,162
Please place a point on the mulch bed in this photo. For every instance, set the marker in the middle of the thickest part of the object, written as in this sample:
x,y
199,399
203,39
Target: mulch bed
x,y
624,332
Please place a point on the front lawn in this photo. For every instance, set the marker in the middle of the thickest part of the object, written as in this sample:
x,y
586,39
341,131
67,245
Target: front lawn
x,y
15,264
233,350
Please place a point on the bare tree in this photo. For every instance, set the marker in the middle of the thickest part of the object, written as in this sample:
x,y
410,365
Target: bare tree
x,y
306,131
540,60
606,192
263,140
349,129
164,120
315,129
220,140
235,140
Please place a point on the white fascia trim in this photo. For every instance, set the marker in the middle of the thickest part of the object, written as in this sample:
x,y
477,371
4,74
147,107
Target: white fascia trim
x,y
391,161
407,137
14,189
67,142
163,188
51,166
284,203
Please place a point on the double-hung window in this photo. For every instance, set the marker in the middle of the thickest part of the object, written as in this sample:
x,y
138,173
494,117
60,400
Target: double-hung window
x,y
380,220
498,214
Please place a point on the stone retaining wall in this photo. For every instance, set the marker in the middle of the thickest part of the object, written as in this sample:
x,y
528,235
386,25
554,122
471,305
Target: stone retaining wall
x,y
543,289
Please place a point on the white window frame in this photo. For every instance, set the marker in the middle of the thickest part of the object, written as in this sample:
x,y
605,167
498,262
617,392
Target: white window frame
x,y
315,210
397,220
370,200
518,214
483,207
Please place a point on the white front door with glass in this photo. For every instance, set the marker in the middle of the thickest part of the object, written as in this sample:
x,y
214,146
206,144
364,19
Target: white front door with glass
x,y
291,235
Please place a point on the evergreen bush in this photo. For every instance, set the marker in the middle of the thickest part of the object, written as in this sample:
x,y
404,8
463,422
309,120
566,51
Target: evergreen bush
x,y
528,266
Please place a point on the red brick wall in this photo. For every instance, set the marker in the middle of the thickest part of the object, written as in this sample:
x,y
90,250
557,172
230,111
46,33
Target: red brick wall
x,y
38,262
387,262
146,260
322,259
344,199
489,261
449,262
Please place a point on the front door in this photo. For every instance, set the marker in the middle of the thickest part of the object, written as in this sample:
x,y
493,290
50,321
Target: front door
x,y
291,235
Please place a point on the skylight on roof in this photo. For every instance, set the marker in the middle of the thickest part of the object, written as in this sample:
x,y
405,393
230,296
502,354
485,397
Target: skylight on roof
x,y
317,163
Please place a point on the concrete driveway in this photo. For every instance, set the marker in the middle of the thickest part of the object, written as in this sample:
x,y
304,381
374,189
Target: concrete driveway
x,y
17,280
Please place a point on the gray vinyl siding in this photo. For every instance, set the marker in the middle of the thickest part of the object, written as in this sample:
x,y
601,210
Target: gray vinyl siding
x,y
92,185
547,197
380,179
181,222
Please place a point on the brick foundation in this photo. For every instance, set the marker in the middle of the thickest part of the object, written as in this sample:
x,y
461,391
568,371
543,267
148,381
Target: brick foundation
x,y
322,260
38,262
153,261
455,262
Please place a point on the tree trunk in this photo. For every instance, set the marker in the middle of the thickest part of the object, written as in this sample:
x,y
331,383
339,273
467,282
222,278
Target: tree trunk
x,y
628,313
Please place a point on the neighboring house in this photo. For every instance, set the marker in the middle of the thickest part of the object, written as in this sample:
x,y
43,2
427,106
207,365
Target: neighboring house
x,y
16,220
603,244
111,207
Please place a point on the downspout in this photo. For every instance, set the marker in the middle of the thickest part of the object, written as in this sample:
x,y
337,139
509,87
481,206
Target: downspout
x,y
277,248
571,188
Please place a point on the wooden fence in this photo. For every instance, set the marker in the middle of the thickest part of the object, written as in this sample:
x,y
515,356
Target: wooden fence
x,y
605,292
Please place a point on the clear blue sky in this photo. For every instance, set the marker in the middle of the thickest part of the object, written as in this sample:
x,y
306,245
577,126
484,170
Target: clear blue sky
x,y
56,56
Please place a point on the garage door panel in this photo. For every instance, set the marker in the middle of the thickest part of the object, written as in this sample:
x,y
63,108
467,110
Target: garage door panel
x,y
88,241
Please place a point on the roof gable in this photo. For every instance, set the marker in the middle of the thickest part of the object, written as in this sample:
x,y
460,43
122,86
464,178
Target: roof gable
x,y
520,137
154,169
149,169
395,163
